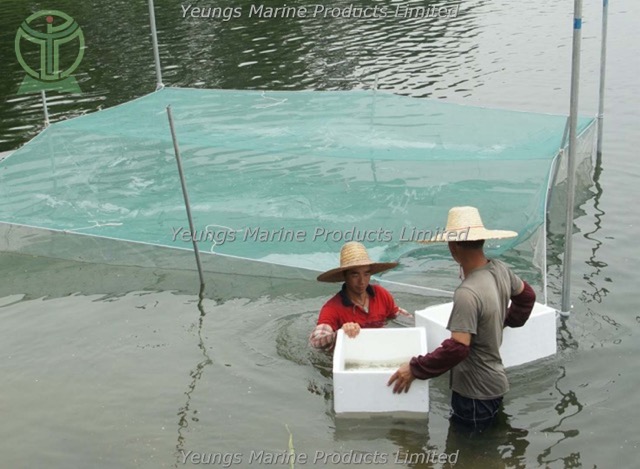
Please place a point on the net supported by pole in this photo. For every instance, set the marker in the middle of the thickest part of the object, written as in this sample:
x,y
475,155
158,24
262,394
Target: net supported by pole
x,y
603,67
185,194
154,40
45,108
571,166
280,180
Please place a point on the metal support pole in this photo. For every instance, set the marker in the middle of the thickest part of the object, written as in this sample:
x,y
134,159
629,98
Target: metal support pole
x,y
571,163
603,66
186,200
45,108
154,40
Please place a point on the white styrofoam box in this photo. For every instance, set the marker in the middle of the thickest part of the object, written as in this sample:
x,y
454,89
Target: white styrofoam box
x,y
535,340
363,365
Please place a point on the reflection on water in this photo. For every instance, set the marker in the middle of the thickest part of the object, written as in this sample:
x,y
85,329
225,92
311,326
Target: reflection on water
x,y
599,292
410,437
185,411
499,446
568,407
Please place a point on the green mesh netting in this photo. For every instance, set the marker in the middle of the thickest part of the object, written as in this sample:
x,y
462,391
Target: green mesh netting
x,y
280,177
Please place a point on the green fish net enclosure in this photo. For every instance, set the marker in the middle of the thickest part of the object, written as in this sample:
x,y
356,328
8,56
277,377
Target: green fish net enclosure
x,y
279,180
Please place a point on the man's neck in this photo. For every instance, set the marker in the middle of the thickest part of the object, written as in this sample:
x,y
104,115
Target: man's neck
x,y
473,262
357,298
349,296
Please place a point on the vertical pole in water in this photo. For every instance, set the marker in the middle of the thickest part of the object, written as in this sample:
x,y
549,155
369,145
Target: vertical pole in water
x,y
186,199
45,108
571,163
603,66
154,40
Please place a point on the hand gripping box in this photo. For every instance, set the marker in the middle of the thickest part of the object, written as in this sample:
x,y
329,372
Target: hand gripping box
x,y
363,365
535,340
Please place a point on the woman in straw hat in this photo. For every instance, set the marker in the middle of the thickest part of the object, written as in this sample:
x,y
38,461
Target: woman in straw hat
x,y
358,304
480,312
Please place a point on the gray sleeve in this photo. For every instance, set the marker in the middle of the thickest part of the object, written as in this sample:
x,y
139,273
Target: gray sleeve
x,y
516,283
464,315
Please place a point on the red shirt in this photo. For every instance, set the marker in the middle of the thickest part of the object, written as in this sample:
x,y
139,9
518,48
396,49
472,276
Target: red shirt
x,y
340,309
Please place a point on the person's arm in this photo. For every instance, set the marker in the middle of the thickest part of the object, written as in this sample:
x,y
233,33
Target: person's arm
x,y
324,334
398,311
322,337
521,306
463,323
451,352
393,310
402,312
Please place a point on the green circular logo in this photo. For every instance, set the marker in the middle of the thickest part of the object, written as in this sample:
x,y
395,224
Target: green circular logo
x,y
50,29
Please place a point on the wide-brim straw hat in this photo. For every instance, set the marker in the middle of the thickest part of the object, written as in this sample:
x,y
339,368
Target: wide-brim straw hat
x,y
352,255
465,224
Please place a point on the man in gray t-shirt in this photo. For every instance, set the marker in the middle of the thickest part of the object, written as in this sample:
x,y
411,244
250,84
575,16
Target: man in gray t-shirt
x,y
480,312
480,309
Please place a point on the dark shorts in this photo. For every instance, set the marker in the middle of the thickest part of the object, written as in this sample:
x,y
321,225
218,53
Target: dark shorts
x,y
473,414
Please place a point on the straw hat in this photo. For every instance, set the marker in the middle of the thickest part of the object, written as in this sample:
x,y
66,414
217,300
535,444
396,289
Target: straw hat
x,y
465,224
353,255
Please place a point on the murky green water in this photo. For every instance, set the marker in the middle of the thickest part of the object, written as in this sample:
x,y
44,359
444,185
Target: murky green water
x,y
107,366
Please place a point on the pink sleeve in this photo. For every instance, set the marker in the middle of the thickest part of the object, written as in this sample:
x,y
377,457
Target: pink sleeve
x,y
322,337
